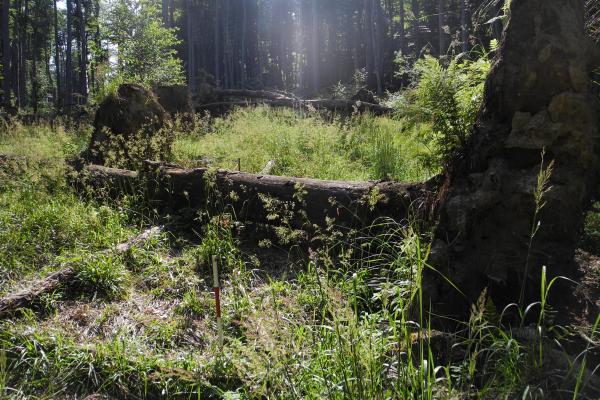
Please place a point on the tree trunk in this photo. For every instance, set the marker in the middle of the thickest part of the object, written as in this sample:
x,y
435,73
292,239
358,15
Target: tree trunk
x,y
441,45
416,28
47,60
5,52
314,48
379,35
356,45
464,29
83,89
101,55
369,53
191,57
22,46
165,13
69,59
243,98
537,97
252,68
33,76
227,45
243,49
58,93
217,36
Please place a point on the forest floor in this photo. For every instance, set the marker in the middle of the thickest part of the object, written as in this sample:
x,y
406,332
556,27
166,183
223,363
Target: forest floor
x,y
299,321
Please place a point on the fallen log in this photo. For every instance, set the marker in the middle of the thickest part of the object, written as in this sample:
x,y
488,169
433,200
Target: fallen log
x,y
276,99
254,94
26,298
65,277
296,202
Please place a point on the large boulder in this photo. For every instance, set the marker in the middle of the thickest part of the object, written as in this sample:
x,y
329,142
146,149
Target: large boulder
x,y
130,126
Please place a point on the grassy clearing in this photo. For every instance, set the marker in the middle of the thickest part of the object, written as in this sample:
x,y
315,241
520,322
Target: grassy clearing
x,y
308,145
42,222
141,325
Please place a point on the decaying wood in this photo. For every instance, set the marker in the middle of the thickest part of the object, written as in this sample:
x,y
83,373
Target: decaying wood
x,y
539,99
241,98
25,298
65,277
268,168
254,94
138,240
297,202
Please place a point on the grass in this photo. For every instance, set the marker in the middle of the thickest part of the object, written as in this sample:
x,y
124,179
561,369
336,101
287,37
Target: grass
x,y
41,219
341,326
307,145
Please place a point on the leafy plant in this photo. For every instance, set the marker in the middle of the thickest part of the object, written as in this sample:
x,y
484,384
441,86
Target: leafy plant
x,y
195,305
146,48
102,274
447,98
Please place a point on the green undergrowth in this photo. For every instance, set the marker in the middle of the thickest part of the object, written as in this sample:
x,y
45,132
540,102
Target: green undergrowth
x,y
342,328
308,145
348,323
42,220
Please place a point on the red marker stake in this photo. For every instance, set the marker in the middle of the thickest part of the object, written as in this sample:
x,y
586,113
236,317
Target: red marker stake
x,y
217,290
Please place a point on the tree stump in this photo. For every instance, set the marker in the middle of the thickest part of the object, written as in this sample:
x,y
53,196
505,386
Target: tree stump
x,y
538,98
129,126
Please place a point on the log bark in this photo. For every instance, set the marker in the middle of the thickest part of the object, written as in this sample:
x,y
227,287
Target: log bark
x,y
26,298
241,98
269,167
298,202
538,98
62,278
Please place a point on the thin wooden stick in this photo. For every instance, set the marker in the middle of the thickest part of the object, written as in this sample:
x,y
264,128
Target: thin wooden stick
x,y
217,290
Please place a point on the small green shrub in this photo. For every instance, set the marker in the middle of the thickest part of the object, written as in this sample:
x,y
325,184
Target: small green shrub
x,y
590,240
102,274
218,240
195,305
448,98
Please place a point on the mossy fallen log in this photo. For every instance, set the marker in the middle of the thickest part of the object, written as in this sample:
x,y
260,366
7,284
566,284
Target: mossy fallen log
x,y
295,202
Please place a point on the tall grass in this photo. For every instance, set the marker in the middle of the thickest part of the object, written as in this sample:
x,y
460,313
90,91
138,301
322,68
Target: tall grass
x,y
41,218
351,324
306,145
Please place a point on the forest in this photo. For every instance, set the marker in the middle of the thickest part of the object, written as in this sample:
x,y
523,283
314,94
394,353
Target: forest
x,y
265,199
59,54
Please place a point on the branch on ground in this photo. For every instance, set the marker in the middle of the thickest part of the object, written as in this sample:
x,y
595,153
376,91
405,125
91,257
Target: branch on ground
x,y
244,98
63,278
